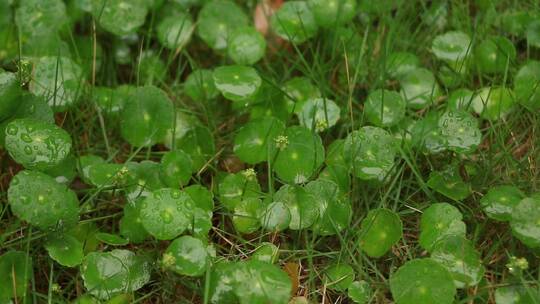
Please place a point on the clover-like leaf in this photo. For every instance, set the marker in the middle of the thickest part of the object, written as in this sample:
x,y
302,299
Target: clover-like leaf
x,y
237,82
294,21
298,90
371,152
41,201
175,31
15,271
299,154
120,17
166,213
499,202
266,252
460,131
493,103
319,114
300,205
460,258
453,46
246,215
422,281
187,256
216,20
333,12
276,216
449,183
106,274
200,86
419,88
339,276
246,45
494,55
527,85
384,108
525,221
36,144
111,239
146,117
9,94
251,143
334,209
65,249
176,168
439,221
360,292
57,79
380,230
236,187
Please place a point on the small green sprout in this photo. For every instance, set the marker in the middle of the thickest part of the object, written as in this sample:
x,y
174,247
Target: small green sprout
x,y
380,230
106,274
294,21
422,281
187,256
517,265
439,221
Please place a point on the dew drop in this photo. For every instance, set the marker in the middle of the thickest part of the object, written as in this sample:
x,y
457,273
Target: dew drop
x,y
27,150
166,216
12,130
26,138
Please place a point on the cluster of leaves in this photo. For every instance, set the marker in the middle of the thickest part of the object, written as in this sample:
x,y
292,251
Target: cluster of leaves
x,y
174,158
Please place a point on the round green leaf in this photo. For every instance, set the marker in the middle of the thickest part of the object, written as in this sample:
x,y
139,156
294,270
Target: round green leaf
x,y
65,172
451,46
276,216
246,45
120,17
294,21
146,117
298,90
426,134
40,17
65,249
200,86
111,239
216,20
57,79
300,153
187,256
493,103
141,178
360,292
41,201
419,88
236,187
460,258
494,55
105,175
131,226
151,69
329,13
460,131
118,271
319,114
246,215
500,201
527,85
460,99
380,230
449,183
198,142
339,277
520,294
371,152
267,283
36,144
384,108
15,271
266,252
167,213
334,209
422,281
175,31
439,221
251,143
237,82
525,221
399,64
300,204
9,94
176,168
